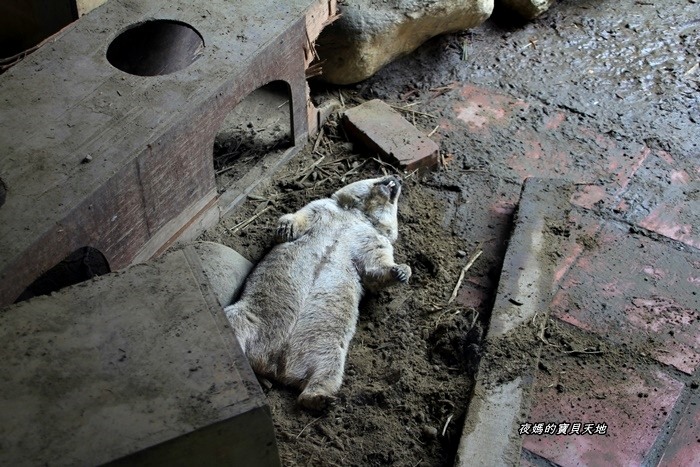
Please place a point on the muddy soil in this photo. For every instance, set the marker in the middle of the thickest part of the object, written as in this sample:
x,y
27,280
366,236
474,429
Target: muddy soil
x,y
411,364
622,69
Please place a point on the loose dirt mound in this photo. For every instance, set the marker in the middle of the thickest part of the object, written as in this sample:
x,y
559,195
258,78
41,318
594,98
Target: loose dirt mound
x,y
411,364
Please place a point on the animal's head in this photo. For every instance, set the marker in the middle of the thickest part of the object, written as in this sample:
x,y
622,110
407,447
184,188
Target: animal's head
x,y
377,198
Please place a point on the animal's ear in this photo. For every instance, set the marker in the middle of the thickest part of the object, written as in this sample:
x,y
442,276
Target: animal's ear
x,y
345,199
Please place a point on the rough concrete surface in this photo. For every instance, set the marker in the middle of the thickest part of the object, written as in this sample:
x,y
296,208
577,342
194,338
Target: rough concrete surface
x,y
225,270
372,33
488,437
603,93
136,367
600,92
519,315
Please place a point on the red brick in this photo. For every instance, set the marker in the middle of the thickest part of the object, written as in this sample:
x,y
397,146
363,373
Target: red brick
x,y
480,108
383,130
684,446
634,403
636,291
472,297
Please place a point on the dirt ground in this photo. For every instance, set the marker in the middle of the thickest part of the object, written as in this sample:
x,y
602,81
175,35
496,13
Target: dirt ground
x,y
621,69
410,365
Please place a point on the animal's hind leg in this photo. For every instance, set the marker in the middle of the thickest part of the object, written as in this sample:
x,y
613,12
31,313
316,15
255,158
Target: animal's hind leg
x,y
244,327
235,316
327,366
315,356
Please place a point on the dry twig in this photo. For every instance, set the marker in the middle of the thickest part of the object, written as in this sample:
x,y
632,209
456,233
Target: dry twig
x,y
318,139
245,223
469,264
584,351
411,174
444,429
306,426
384,164
415,112
692,69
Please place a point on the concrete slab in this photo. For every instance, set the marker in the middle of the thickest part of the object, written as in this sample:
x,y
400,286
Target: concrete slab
x,y
109,144
619,411
522,303
674,212
592,330
137,367
382,129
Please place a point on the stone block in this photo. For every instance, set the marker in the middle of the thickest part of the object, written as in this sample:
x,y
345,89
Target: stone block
x,y
137,367
108,130
225,270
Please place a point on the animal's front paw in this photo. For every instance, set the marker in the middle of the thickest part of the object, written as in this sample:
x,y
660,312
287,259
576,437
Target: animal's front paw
x,y
401,272
285,229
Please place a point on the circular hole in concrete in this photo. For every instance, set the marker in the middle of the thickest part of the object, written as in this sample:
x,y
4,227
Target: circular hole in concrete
x,y
156,47
3,192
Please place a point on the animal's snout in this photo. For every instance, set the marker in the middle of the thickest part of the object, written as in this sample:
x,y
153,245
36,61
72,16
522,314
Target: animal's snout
x,y
392,185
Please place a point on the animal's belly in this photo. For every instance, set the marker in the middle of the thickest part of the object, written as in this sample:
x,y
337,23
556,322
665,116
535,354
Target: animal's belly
x,y
322,266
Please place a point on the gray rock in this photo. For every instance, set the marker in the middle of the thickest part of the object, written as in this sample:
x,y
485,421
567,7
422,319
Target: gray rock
x,y
225,269
429,432
528,9
371,33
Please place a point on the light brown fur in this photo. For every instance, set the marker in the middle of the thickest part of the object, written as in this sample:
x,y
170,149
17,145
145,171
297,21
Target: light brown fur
x,y
298,310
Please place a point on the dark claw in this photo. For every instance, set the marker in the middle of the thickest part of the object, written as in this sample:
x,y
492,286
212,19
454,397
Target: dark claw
x,y
399,274
285,231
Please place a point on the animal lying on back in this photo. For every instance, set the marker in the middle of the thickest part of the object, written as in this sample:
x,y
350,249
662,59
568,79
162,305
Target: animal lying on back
x,y
299,306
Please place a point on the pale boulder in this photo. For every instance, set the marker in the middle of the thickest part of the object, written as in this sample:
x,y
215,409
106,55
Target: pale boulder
x,y
371,33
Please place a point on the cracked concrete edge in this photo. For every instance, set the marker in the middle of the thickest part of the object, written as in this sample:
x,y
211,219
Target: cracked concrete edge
x,y
490,434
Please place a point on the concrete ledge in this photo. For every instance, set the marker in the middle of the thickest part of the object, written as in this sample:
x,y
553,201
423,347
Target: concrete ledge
x,y
137,367
100,165
512,348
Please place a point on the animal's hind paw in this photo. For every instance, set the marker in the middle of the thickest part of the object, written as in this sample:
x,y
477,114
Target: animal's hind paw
x,y
315,400
401,272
